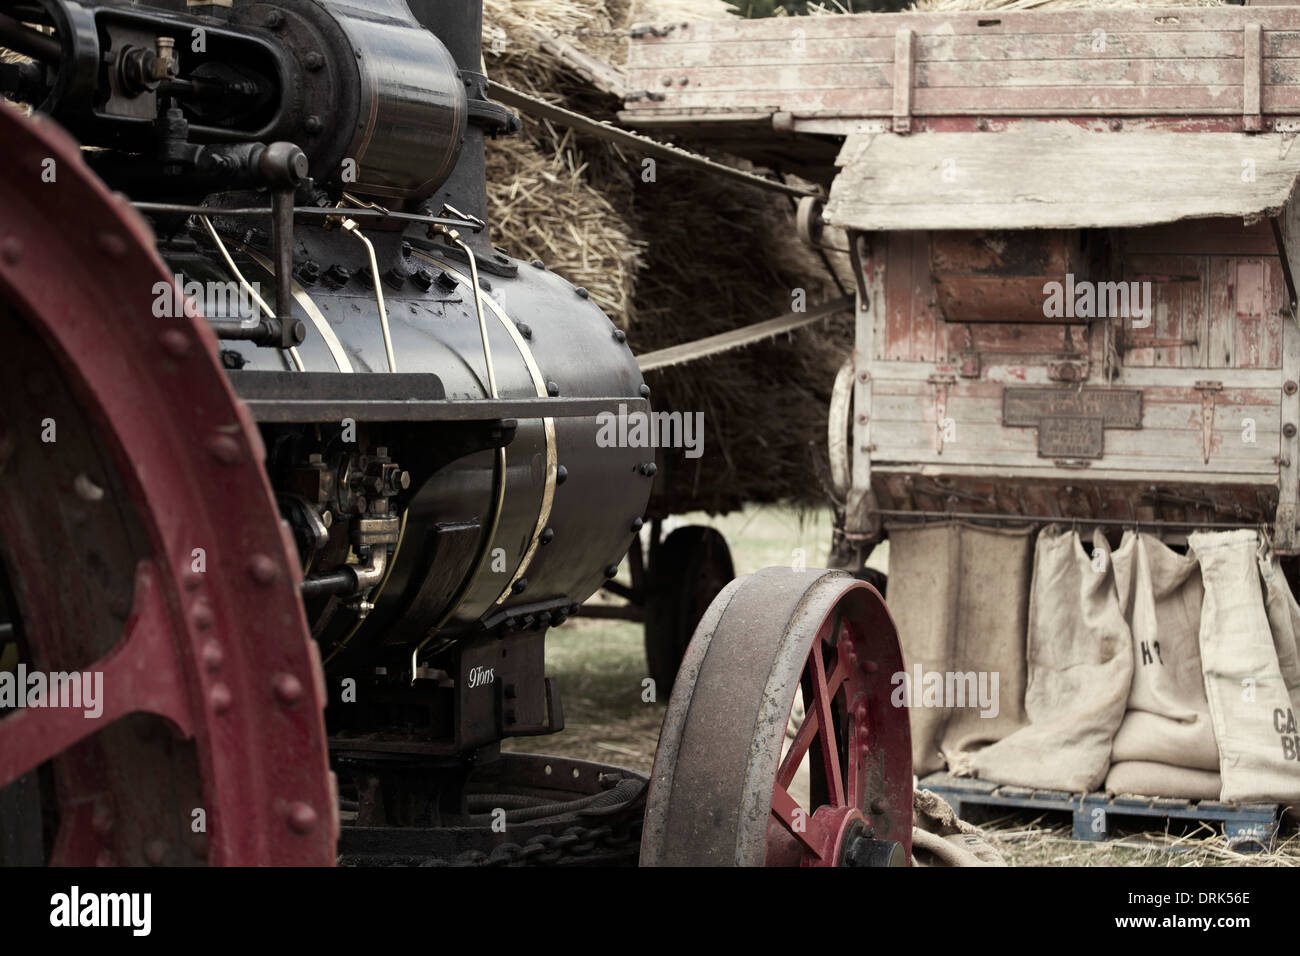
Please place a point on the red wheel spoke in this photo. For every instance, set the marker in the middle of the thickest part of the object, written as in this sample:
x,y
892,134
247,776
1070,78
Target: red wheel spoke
x,y
856,749
798,749
138,675
826,732
796,821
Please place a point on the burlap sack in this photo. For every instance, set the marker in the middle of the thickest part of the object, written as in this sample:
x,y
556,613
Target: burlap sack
x,y
1147,779
1080,664
1252,701
960,597
1168,716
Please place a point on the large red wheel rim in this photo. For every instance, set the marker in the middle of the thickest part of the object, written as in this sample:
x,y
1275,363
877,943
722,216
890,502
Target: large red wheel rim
x,y
721,788
215,645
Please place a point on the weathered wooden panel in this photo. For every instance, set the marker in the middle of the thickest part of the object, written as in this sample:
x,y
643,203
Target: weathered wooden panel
x,y
910,330
1063,177
1244,438
1075,62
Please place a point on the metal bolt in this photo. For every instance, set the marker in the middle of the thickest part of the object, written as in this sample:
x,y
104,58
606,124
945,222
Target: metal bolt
x,y
274,19
201,615
620,335
314,61
313,124
637,525
262,569
1289,388
552,389
11,250
287,688
220,698
212,655
611,570
547,535
520,586
302,818
225,449
582,293
644,390
647,468
538,264
561,473
111,244
1288,430
525,330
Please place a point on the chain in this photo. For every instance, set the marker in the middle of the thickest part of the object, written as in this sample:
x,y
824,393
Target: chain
x,y
548,849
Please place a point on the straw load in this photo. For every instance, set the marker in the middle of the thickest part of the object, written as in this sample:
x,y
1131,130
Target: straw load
x,y
671,260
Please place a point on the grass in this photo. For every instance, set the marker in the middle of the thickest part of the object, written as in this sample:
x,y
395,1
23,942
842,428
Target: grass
x,y
600,666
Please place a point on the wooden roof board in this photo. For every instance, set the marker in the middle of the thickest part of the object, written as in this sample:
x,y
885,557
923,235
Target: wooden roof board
x,y
1053,175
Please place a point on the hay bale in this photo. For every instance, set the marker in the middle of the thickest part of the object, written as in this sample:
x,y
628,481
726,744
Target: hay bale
x,y
545,206
671,260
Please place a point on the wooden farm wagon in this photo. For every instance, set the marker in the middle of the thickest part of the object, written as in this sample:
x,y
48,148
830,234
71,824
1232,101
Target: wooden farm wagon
x,y
1075,245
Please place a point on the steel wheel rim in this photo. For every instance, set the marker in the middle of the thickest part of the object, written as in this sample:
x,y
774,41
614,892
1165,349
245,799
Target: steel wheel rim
x,y
717,796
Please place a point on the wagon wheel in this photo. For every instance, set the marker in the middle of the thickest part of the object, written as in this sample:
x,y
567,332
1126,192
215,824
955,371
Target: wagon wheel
x,y
686,573
720,791
141,542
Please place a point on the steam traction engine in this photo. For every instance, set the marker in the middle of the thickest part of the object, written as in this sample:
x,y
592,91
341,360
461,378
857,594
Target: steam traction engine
x,y
284,432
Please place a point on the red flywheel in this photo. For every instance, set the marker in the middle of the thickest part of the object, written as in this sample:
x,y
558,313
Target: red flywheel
x,y
143,553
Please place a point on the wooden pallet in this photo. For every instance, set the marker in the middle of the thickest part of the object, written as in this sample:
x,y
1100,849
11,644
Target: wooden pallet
x,y
1248,827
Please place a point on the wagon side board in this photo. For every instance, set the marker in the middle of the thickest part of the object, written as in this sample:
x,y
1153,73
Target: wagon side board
x,y
1181,420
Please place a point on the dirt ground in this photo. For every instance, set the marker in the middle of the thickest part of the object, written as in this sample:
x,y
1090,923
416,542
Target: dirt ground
x,y
600,665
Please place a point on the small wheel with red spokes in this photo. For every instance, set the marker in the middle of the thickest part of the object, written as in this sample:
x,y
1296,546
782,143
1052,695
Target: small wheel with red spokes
x,y
725,789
